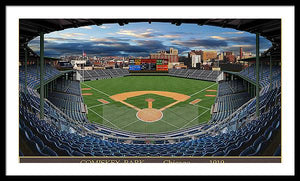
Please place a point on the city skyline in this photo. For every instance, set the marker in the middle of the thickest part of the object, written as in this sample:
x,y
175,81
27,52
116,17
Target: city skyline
x,y
141,39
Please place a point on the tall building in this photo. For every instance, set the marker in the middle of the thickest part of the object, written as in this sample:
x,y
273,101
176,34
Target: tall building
x,y
205,55
247,55
171,55
228,53
209,55
220,56
241,53
195,56
230,58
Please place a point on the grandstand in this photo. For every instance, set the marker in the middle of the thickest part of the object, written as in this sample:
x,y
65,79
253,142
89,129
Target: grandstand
x,y
244,122
99,74
209,75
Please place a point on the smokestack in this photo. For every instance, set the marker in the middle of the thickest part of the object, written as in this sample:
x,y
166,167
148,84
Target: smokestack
x,y
241,53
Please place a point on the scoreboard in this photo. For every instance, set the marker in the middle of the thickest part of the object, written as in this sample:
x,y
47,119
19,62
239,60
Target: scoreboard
x,y
148,65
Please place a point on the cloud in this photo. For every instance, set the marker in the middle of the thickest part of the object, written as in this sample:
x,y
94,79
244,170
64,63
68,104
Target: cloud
x,y
234,32
102,39
146,34
74,44
251,40
243,46
168,36
109,46
204,43
86,27
71,34
218,37
104,27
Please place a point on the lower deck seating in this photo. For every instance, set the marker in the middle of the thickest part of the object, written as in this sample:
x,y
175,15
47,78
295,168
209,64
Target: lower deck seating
x,y
195,74
97,74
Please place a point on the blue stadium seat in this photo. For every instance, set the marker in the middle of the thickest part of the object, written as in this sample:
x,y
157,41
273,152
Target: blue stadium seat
x,y
77,153
229,148
268,133
28,133
248,151
276,124
277,151
20,153
46,151
198,153
98,154
258,141
38,142
219,153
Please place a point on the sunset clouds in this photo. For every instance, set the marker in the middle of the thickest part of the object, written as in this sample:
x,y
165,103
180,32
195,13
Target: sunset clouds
x,y
141,39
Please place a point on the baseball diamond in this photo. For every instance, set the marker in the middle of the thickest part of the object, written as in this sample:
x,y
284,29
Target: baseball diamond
x,y
148,104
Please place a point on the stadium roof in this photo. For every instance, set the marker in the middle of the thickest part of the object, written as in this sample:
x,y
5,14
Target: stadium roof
x,y
268,28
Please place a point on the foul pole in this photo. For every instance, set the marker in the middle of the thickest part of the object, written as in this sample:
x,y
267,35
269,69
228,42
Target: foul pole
x,y
42,75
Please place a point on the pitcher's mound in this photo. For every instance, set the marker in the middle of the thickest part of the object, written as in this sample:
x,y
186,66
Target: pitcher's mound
x,y
149,115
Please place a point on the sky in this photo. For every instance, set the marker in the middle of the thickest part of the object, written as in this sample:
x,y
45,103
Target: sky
x,y
141,39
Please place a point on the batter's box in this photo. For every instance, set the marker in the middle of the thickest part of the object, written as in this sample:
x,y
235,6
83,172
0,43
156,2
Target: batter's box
x,y
103,101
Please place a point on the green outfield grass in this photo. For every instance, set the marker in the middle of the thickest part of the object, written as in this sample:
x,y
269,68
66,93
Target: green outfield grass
x,y
119,116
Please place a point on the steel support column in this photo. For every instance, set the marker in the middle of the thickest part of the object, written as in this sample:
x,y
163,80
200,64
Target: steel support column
x,y
248,88
25,51
37,67
257,74
270,71
42,71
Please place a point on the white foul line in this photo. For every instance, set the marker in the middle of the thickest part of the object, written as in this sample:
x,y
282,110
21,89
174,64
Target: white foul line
x,y
194,118
203,89
169,123
202,107
96,89
130,124
95,106
104,118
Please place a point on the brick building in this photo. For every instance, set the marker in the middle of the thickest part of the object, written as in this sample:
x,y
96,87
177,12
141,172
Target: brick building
x,y
171,55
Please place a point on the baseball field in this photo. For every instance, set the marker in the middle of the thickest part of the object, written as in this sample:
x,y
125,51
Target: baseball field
x,y
149,104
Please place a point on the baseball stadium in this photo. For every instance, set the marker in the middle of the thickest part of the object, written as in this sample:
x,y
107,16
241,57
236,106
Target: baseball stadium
x,y
150,109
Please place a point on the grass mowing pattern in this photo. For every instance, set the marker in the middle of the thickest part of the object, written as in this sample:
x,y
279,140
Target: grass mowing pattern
x,y
119,116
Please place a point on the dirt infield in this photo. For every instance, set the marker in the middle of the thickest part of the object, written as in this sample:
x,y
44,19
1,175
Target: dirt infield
x,y
126,95
195,101
103,101
149,114
149,102
86,88
176,96
87,94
